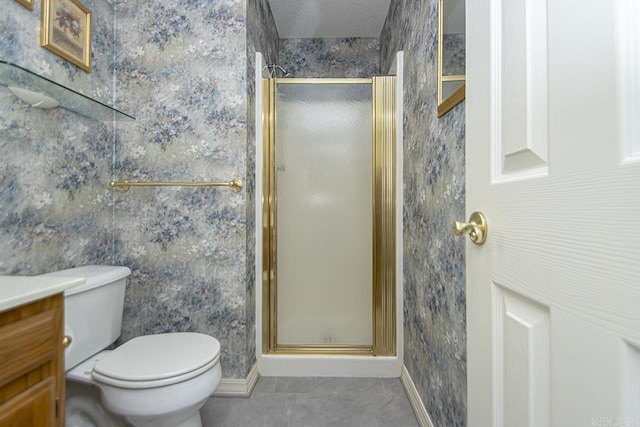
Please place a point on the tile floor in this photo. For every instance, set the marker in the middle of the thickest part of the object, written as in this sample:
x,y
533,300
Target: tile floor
x,y
314,402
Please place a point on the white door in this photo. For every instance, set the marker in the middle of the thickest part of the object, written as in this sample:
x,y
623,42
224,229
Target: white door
x,y
553,161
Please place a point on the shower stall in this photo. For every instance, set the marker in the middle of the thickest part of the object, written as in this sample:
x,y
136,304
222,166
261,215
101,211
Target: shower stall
x,y
328,218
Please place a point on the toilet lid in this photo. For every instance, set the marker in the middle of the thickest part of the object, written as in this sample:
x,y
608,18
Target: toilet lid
x,y
156,357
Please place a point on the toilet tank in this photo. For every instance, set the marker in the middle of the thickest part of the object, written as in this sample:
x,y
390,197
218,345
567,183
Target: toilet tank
x,y
93,311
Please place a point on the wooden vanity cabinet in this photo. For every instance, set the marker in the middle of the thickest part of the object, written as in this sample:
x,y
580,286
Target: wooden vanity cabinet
x,y
32,364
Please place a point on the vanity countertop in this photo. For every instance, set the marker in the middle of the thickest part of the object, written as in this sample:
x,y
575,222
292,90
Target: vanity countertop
x,y
19,290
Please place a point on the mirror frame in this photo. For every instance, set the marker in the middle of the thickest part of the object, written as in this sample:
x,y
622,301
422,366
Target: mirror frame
x,y
444,105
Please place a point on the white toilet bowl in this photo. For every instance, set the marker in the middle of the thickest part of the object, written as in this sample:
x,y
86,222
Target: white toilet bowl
x,y
84,408
153,380
160,380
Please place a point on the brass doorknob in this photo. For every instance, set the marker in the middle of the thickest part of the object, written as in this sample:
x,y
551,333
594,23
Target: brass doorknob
x,y
66,341
476,228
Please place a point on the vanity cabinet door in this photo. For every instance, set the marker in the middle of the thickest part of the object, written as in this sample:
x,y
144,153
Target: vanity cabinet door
x,y
33,407
32,365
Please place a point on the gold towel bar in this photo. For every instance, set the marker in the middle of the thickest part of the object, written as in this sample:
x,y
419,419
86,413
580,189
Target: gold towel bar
x,y
123,185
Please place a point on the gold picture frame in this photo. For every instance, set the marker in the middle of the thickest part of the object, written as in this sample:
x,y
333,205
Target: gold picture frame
x,y
65,30
26,3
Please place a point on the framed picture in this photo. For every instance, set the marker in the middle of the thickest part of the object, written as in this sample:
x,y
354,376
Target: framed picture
x,y
66,31
26,3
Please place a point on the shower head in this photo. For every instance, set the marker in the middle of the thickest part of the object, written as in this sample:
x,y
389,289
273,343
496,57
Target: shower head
x,y
273,70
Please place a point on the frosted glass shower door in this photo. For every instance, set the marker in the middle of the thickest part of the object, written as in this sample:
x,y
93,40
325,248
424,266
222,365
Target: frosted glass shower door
x,y
323,160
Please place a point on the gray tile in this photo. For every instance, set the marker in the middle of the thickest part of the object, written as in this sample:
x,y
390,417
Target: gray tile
x,y
314,402
330,411
393,386
219,411
396,411
265,385
349,387
260,410
296,384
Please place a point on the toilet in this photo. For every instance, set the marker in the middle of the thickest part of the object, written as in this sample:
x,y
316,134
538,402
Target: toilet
x,y
153,380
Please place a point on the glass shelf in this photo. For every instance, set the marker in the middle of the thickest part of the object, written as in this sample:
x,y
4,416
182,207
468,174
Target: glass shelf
x,y
69,99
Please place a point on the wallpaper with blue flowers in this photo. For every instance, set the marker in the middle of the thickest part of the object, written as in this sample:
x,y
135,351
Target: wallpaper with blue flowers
x,y
342,57
55,207
181,70
453,54
434,194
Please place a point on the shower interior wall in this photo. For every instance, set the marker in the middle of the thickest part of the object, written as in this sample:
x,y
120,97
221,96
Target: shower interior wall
x,y
349,57
181,69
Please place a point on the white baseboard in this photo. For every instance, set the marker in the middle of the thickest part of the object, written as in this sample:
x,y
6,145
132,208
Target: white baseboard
x,y
287,365
414,398
231,387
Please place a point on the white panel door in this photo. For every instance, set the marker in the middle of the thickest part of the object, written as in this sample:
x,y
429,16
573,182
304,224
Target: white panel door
x,y
553,161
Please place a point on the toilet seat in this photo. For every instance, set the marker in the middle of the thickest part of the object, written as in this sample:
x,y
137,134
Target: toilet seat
x,y
158,360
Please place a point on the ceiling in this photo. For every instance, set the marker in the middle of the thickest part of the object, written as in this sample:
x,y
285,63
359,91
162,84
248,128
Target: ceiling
x,y
329,18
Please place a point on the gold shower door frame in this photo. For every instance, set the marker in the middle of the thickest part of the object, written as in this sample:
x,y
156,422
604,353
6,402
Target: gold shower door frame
x,y
383,214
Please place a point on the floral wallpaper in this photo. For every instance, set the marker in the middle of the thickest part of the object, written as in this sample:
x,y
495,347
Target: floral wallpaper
x,y
345,57
434,194
181,70
453,54
55,208
182,67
